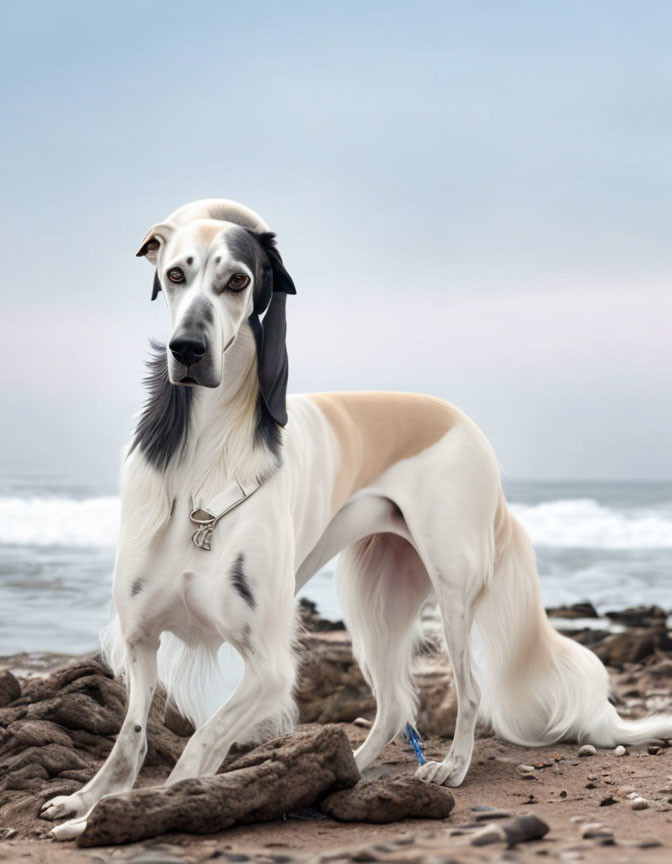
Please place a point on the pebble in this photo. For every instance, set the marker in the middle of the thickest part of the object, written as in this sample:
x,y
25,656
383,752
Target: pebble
x,y
620,750
640,804
362,721
487,835
525,769
486,815
646,843
587,750
653,749
517,830
598,831
608,801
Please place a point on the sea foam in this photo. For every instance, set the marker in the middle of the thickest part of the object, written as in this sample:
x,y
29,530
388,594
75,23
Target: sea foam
x,y
579,523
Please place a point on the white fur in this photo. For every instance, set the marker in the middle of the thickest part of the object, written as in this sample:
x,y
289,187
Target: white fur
x,y
433,522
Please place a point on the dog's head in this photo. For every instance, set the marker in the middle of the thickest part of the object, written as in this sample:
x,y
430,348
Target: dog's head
x,y
219,269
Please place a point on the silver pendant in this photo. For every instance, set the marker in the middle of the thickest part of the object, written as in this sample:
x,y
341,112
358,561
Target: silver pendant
x,y
206,522
202,537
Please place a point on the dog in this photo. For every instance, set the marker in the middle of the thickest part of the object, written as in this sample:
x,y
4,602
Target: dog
x,y
233,495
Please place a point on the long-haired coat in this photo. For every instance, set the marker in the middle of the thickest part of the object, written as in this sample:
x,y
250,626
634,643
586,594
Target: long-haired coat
x,y
405,487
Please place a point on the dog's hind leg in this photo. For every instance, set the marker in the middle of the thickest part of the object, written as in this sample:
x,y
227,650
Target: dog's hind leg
x,y
458,562
382,585
121,768
457,614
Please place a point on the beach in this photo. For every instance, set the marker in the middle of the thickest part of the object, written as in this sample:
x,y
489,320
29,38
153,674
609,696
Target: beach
x,y
604,553
597,807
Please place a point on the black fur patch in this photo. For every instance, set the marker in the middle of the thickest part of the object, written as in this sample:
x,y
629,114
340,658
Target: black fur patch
x,y
136,587
266,431
240,582
164,423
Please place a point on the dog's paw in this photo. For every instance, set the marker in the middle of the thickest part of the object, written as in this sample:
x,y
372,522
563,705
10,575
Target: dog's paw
x,y
62,806
448,773
69,830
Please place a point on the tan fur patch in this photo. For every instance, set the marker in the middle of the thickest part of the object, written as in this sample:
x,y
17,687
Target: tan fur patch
x,y
375,430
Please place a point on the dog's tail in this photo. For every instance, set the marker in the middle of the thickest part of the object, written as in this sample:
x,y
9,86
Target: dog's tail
x,y
538,686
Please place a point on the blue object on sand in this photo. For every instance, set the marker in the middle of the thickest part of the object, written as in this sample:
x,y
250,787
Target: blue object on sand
x,y
411,737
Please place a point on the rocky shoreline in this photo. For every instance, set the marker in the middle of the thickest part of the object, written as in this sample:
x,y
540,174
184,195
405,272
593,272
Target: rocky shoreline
x,y
58,718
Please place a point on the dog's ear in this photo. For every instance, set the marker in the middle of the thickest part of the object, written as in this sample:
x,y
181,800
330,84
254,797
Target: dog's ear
x,y
152,242
271,331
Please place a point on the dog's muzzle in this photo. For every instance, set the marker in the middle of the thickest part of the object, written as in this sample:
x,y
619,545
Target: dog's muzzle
x,y
191,360
188,348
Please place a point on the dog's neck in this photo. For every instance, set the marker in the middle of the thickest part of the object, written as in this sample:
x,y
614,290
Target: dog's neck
x,y
197,441
229,435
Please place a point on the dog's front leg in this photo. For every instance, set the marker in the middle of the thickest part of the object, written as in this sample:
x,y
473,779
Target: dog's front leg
x,y
264,695
121,768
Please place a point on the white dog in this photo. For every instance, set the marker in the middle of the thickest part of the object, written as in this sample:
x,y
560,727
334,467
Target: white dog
x,y
233,497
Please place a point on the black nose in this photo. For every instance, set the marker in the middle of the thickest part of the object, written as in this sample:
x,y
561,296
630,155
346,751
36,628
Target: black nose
x,y
187,348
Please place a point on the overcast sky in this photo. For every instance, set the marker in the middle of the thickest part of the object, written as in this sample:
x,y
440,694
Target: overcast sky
x,y
474,200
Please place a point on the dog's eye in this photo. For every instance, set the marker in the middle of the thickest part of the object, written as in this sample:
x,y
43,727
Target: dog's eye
x,y
176,275
237,282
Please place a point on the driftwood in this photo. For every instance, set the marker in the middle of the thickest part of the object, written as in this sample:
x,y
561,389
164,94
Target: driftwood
x,y
286,774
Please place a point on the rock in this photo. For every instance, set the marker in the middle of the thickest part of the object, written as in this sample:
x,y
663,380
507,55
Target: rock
x,y
10,689
638,616
588,636
639,804
313,621
587,750
634,645
389,799
492,813
520,829
620,750
363,722
286,774
576,610
653,749
608,801
177,723
661,669
487,835
645,843
332,689
525,769
597,831
55,734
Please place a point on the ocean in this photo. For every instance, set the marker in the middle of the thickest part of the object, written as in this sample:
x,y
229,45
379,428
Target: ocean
x,y
610,543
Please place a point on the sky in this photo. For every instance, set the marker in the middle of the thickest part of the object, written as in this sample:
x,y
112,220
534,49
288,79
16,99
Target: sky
x,y
474,200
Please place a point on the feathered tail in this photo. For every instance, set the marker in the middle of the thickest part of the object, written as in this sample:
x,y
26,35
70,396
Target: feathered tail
x,y
539,686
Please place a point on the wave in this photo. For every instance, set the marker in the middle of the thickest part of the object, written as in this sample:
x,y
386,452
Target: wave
x,y
90,522
579,523
582,523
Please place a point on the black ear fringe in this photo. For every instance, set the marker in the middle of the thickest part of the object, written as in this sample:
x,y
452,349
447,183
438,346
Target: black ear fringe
x,y
282,281
271,332
156,287
272,360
